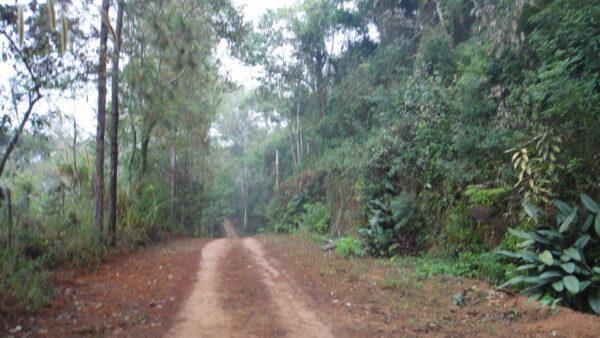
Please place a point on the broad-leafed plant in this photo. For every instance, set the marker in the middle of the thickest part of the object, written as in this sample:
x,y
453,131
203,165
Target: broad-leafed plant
x,y
392,227
537,166
560,261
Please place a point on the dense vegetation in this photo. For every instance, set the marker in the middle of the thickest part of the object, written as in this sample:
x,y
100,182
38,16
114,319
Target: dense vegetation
x,y
448,130
425,128
167,95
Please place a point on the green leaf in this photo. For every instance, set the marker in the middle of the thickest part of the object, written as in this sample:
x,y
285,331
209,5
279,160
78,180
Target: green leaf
x,y
594,301
526,267
583,285
528,236
526,256
582,241
573,253
532,211
520,234
597,225
586,225
563,207
581,271
546,257
590,204
558,286
571,283
550,274
549,233
568,267
564,227
535,288
513,281
526,243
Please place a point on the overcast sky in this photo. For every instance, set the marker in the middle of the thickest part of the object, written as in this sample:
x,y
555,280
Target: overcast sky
x,y
253,9
84,106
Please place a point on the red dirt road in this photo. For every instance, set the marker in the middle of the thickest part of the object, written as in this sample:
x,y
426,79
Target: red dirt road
x,y
279,311
278,287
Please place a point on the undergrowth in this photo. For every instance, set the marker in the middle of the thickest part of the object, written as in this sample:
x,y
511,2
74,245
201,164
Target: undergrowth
x,y
349,247
484,266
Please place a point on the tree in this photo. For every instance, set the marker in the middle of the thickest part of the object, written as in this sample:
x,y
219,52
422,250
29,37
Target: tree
x,y
101,119
114,132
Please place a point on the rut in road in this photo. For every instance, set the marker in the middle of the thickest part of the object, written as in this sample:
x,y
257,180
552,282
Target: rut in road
x,y
239,293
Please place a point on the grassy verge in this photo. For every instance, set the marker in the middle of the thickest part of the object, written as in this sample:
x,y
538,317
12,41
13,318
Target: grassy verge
x,y
26,266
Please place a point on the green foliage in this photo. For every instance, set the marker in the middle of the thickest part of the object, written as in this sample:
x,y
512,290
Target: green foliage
x,y
486,197
435,55
349,247
538,167
78,247
24,283
24,268
392,227
315,218
560,262
460,233
484,266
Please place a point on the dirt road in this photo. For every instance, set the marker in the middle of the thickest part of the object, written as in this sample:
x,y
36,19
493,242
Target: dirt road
x,y
239,293
277,286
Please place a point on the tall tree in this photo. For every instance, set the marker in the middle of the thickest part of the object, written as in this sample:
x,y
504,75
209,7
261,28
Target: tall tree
x,y
101,122
114,133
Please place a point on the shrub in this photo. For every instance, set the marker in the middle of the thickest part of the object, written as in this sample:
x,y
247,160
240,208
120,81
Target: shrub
x,y
349,247
460,234
24,282
80,247
392,228
316,218
560,262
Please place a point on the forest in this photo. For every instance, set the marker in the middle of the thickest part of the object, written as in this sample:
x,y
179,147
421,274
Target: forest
x,y
460,134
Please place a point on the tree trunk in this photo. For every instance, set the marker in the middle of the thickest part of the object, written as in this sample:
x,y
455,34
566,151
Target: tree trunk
x,y
146,134
10,218
100,127
276,169
114,133
75,170
245,205
298,144
292,148
133,148
173,183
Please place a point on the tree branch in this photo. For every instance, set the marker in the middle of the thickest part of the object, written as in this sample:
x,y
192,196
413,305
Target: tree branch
x,y
33,95
34,78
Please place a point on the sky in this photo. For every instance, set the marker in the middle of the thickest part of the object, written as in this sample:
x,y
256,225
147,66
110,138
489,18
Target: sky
x,y
253,10
83,107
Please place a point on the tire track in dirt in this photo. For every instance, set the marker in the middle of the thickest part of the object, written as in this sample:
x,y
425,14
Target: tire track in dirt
x,y
201,315
245,298
238,293
296,316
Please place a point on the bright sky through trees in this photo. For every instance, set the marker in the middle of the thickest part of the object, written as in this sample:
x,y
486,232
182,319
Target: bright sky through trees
x,y
84,103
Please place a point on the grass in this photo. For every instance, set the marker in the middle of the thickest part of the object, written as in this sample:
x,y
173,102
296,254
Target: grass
x,y
349,247
25,267
399,280
484,266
